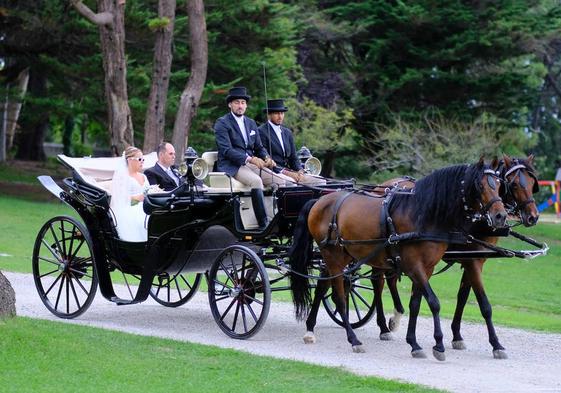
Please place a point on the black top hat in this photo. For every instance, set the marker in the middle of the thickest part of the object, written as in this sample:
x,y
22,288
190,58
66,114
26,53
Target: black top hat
x,y
275,106
236,93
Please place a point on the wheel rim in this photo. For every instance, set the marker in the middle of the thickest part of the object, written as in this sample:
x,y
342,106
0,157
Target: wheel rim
x,y
360,302
239,292
63,267
176,290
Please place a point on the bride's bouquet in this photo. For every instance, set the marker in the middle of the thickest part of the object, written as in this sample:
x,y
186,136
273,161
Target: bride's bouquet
x,y
153,189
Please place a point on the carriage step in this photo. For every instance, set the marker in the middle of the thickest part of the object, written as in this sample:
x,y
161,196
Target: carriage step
x,y
123,302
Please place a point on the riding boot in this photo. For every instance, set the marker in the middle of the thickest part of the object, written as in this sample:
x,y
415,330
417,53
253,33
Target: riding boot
x,y
258,202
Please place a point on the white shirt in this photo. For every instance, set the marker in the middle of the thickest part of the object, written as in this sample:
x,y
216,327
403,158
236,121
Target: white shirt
x,y
170,173
241,124
278,131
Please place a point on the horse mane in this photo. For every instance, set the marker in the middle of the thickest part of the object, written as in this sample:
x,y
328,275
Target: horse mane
x,y
437,200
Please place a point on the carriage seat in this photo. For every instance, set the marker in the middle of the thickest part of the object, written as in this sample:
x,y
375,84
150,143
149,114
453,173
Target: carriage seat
x,y
220,181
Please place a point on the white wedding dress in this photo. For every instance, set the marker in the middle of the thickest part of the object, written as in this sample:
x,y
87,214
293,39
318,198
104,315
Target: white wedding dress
x,y
131,220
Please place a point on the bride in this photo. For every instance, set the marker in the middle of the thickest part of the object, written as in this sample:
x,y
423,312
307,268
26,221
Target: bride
x,y
128,188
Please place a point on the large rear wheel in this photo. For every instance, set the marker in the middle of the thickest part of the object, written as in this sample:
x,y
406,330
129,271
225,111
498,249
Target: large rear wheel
x,y
63,267
239,292
175,290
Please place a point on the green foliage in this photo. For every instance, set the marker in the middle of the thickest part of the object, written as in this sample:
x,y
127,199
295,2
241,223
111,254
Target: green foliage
x,y
435,141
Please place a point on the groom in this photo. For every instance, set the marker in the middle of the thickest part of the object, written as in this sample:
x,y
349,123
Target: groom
x,y
164,173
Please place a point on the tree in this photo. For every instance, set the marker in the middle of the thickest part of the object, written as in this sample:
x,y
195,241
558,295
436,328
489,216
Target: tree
x,y
154,125
191,96
110,19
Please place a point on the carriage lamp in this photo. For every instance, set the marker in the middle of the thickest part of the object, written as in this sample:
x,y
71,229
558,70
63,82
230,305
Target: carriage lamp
x,y
311,164
198,167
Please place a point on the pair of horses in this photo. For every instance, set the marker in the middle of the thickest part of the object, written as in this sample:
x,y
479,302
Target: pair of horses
x,y
409,230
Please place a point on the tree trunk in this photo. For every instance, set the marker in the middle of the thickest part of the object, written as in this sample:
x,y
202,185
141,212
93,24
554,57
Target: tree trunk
x,y
198,43
114,64
328,163
7,298
34,129
156,111
12,107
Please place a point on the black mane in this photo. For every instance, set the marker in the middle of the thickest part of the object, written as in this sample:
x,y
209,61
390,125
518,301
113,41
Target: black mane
x,y
437,202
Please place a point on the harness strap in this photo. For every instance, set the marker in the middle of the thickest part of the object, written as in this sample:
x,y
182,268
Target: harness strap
x,y
333,225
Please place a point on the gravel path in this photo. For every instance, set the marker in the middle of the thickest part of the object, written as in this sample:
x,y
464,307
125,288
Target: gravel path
x,y
534,362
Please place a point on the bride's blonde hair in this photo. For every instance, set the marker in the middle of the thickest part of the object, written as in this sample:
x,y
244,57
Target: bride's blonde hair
x,y
130,152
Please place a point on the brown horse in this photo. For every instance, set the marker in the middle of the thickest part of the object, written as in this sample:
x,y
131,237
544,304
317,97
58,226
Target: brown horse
x,y
519,184
443,202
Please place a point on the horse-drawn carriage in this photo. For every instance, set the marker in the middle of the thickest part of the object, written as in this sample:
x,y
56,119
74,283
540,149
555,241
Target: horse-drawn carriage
x,y
193,231
210,231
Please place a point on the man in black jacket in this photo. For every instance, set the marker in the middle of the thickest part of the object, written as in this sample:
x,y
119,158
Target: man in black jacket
x,y
241,154
279,142
164,173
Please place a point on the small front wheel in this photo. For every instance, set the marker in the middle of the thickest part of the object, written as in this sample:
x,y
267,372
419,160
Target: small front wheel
x,y
63,267
175,290
239,292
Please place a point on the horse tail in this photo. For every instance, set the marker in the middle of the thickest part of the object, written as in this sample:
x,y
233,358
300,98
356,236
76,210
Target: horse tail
x,y
300,255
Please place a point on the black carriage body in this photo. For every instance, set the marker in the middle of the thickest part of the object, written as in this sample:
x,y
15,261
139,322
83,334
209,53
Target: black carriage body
x,y
187,229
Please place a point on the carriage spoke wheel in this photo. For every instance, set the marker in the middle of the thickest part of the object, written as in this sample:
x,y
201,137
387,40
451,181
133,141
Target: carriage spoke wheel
x,y
63,267
239,292
175,290
360,299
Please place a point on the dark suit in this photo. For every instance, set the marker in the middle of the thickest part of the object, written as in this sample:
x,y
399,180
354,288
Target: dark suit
x,y
232,151
283,159
156,175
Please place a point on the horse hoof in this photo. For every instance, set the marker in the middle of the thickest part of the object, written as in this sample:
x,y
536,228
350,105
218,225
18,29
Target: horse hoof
x,y
394,321
500,354
441,356
386,337
418,354
358,349
459,344
309,338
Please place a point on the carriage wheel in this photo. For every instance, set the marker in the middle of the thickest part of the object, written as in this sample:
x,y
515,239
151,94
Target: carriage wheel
x,y
63,267
239,292
360,302
176,290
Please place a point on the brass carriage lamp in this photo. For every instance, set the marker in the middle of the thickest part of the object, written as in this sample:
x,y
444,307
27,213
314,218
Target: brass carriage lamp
x,y
311,164
193,167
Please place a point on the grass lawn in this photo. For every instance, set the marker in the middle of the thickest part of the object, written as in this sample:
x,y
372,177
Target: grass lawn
x,y
523,293
44,356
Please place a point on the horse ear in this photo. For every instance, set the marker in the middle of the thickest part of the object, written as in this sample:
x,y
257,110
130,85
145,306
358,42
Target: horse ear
x,y
530,159
495,163
508,160
481,161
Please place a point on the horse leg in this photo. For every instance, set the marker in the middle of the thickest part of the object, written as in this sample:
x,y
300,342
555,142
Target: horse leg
x,y
434,305
463,294
487,312
418,291
340,302
319,293
414,306
398,310
378,285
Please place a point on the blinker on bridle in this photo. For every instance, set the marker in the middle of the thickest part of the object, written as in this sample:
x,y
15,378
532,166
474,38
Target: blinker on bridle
x,y
523,183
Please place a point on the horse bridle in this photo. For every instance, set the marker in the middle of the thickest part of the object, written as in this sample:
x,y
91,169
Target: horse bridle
x,y
517,170
490,175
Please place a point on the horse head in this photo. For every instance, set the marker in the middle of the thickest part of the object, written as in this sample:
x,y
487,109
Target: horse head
x,y
485,199
520,184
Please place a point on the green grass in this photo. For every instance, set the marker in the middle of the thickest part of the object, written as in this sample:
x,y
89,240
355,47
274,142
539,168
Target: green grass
x,y
523,293
44,356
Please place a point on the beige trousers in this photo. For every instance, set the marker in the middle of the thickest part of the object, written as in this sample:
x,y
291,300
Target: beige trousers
x,y
254,177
